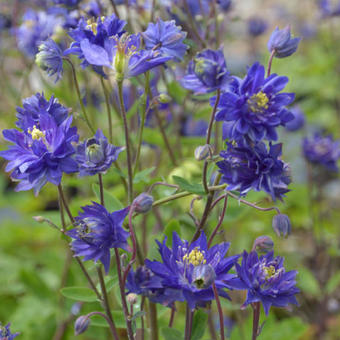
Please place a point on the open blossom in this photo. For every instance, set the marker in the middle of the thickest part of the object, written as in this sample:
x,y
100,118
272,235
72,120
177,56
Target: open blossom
x,y
166,37
181,268
257,168
255,106
266,280
5,333
98,232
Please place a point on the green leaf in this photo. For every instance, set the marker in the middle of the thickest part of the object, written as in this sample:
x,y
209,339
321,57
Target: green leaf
x,y
333,283
172,226
184,184
307,282
79,294
199,324
111,202
137,315
143,176
171,333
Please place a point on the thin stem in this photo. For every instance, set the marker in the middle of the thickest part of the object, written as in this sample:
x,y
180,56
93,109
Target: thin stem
x,y
272,55
172,316
108,108
106,303
217,29
114,8
101,189
127,144
153,321
219,222
62,197
220,311
256,318
75,79
188,323
162,183
153,10
109,321
142,317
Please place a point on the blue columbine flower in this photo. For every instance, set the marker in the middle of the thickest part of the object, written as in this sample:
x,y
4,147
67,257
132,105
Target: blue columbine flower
x,y
254,106
35,107
207,72
298,121
166,37
266,280
41,154
322,150
96,155
68,3
282,43
327,9
179,263
246,168
5,333
50,59
98,232
256,26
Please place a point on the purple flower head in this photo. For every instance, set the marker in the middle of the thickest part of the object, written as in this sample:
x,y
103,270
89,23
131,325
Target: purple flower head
x,y
35,107
256,26
41,154
282,43
50,59
299,119
67,3
266,280
178,267
322,151
225,5
327,10
93,9
257,168
5,333
97,232
255,106
96,155
207,72
165,37
36,27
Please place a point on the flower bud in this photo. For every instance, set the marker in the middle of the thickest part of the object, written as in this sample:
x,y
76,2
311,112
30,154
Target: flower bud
x,y
39,219
132,298
263,244
203,276
81,324
281,225
164,98
202,152
143,203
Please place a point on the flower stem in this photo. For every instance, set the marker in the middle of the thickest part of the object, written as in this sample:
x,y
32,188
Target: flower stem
x,y
108,108
219,222
272,55
63,200
220,311
75,79
172,316
188,323
109,321
153,321
256,318
127,144
114,8
101,189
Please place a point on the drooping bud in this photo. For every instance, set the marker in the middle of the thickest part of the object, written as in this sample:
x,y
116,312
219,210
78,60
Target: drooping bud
x,y
202,152
143,203
281,225
132,298
81,324
263,244
203,276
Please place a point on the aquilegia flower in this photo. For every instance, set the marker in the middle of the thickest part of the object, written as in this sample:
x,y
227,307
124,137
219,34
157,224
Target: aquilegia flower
x,y
97,232
266,280
166,37
68,3
282,43
298,121
182,270
322,150
256,26
255,106
246,168
35,107
5,333
207,72
50,58
96,155
41,154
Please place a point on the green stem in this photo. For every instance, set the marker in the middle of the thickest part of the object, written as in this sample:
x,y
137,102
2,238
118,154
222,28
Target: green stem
x,y
101,189
256,318
153,320
108,108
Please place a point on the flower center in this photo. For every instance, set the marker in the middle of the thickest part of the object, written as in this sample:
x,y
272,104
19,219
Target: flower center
x,y
36,133
258,102
195,257
269,272
93,25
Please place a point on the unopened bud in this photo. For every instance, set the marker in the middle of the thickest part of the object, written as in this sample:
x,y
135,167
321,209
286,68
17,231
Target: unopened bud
x,y
263,244
163,98
281,225
143,203
132,298
203,276
39,219
81,324
202,152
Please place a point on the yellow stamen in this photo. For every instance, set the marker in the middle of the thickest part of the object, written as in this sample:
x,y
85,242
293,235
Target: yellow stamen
x,y
195,257
258,102
269,272
36,133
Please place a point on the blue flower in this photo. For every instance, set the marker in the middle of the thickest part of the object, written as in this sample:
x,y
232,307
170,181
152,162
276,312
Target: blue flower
x,y
298,121
96,155
98,232
68,3
266,280
225,5
41,154
207,72
5,333
179,263
166,37
282,43
50,59
246,168
322,150
327,9
256,26
35,107
254,106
